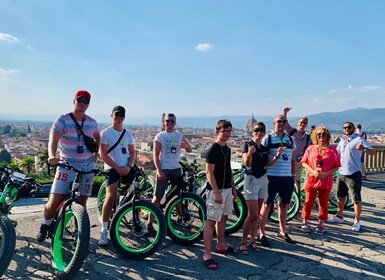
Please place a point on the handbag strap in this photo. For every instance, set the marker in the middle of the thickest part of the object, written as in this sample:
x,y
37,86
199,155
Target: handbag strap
x,y
117,142
78,126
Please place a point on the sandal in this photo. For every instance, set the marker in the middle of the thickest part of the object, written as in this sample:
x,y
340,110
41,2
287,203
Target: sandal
x,y
253,245
305,228
210,264
230,250
243,251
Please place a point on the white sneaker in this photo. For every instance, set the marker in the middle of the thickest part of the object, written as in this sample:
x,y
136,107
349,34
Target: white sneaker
x,y
103,240
335,219
356,226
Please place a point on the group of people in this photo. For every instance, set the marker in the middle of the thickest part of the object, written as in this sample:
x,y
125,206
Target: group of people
x,y
272,163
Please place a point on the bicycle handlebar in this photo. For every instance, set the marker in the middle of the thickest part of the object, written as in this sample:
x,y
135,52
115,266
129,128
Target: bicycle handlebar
x,y
92,171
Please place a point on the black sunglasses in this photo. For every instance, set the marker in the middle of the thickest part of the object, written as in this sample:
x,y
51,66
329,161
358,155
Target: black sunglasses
x,y
169,121
281,121
259,129
347,127
83,100
322,134
118,114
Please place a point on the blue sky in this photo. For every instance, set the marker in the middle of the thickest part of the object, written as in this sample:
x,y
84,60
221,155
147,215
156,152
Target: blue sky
x,y
193,58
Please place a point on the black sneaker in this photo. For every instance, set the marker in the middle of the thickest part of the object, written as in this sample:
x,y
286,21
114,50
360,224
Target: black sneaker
x,y
264,241
42,234
150,230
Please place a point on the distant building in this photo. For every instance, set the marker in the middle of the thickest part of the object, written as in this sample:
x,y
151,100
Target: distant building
x,y
249,125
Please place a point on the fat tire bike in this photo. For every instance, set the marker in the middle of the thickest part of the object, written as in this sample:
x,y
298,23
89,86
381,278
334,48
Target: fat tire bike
x,y
237,218
70,229
7,242
128,226
185,211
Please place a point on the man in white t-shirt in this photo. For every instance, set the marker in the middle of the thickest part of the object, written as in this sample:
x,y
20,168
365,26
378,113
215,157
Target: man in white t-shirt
x,y
117,150
167,146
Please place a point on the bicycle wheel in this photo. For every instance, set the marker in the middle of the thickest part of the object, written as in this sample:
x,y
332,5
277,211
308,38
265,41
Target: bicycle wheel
x,y
100,201
70,241
7,242
136,242
188,229
292,209
236,220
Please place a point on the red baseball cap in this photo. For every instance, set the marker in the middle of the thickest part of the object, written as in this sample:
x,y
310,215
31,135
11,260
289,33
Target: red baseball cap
x,y
83,93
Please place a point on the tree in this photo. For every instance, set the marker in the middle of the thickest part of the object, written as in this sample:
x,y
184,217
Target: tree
x,y
28,163
13,166
5,156
43,161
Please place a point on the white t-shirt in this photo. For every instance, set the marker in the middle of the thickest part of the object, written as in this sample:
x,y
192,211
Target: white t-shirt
x,y
170,149
110,136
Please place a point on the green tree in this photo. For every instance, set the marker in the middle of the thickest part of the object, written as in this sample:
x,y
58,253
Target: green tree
x,y
13,166
5,156
28,163
43,161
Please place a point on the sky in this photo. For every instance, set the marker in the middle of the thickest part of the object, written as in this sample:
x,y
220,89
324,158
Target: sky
x,y
192,58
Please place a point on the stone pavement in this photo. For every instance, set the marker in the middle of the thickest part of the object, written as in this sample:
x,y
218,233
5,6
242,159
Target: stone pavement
x,y
339,254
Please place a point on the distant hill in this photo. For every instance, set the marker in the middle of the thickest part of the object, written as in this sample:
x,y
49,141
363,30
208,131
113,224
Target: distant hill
x,y
372,120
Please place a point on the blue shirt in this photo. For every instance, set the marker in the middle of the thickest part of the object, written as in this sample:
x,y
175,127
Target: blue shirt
x,y
351,157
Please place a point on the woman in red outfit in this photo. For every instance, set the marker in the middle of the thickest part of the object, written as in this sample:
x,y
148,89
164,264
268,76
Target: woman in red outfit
x,y
320,162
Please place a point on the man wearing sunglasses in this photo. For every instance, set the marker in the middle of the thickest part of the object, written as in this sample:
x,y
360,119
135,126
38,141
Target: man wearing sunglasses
x,y
281,174
167,148
301,141
117,150
66,135
349,178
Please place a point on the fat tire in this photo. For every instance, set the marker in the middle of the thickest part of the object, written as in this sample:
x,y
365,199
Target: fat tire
x,y
193,235
137,253
7,242
240,211
292,211
66,270
100,200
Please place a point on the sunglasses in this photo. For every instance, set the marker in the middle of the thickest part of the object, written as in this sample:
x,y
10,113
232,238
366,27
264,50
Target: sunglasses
x,y
319,163
83,100
322,134
303,122
226,130
347,127
119,115
169,121
281,121
259,129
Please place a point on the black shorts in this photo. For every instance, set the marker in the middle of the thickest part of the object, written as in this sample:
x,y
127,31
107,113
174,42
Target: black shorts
x,y
114,176
350,183
283,186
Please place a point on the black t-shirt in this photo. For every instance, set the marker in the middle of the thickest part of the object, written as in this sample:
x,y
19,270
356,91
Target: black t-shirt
x,y
220,156
258,161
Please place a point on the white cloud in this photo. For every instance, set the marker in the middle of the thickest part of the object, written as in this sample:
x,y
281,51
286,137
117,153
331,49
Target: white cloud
x,y
8,38
204,47
9,71
352,89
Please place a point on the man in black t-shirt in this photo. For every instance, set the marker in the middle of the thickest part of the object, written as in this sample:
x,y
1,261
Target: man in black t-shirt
x,y
220,194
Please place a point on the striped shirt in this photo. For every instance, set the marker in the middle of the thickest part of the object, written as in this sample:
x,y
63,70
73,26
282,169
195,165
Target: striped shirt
x,y
281,168
70,140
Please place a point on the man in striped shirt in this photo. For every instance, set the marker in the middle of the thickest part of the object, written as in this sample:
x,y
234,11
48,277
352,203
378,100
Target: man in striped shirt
x,y
281,177
65,134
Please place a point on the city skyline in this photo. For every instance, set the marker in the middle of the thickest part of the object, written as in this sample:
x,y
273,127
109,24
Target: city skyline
x,y
200,58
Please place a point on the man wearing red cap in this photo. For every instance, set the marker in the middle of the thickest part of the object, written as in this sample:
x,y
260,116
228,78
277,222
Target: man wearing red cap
x,y
66,134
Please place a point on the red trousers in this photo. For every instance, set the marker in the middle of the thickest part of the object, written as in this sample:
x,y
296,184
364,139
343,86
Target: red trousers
x,y
323,200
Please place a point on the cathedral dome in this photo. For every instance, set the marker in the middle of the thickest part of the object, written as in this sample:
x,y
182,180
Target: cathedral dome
x,y
249,124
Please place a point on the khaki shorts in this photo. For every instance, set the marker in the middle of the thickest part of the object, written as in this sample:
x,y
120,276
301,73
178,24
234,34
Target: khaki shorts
x,y
215,211
255,188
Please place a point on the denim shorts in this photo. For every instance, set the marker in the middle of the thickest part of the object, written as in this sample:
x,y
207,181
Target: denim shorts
x,y
255,188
